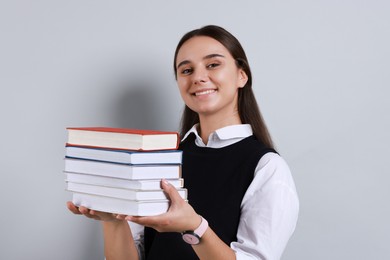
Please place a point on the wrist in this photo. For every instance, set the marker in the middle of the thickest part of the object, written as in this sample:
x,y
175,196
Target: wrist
x,y
193,237
113,223
195,223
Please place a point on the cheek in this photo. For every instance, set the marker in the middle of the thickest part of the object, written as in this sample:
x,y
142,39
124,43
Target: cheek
x,y
182,88
222,76
181,84
226,81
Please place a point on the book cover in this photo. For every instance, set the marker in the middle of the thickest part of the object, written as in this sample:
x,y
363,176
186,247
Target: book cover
x,y
122,193
153,184
124,171
124,156
120,206
122,138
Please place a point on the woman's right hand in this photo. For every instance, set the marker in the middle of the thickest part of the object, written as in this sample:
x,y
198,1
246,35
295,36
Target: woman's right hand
x,y
93,214
118,239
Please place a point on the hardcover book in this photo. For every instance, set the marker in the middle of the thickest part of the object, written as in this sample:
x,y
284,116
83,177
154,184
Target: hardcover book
x,y
124,171
122,193
124,156
122,138
121,206
153,184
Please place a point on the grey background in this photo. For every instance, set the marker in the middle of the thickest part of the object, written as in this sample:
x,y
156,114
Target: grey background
x,y
321,76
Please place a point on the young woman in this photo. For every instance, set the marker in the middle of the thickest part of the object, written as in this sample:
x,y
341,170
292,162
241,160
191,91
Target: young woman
x,y
242,201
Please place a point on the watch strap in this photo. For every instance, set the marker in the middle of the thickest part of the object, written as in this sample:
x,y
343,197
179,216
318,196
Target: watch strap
x,y
202,227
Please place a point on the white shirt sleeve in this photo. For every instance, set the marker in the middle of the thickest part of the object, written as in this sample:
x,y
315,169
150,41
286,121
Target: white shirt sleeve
x,y
269,211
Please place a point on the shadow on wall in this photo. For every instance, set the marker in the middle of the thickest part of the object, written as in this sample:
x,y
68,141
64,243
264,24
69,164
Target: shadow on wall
x,y
140,105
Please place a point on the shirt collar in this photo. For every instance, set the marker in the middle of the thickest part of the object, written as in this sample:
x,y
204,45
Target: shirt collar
x,y
228,133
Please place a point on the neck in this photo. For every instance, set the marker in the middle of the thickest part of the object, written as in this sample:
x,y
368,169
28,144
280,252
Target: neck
x,y
208,124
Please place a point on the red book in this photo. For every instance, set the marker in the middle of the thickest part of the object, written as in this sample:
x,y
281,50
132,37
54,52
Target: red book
x,y
122,138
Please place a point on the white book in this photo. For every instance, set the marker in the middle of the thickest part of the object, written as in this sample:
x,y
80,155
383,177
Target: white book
x,y
123,156
153,184
122,193
121,206
124,171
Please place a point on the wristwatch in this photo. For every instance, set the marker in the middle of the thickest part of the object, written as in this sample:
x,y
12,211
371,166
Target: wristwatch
x,y
193,237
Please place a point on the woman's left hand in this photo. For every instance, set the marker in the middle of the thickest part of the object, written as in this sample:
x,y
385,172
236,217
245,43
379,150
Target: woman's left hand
x,y
179,217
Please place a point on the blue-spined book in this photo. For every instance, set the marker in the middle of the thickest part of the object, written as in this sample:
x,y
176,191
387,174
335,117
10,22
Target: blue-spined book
x,y
124,171
124,156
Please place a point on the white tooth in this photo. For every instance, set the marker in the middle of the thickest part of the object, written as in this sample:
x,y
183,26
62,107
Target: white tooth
x,y
204,92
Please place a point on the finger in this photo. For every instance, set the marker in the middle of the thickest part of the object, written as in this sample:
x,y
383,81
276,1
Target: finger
x,y
87,212
73,208
171,191
94,214
83,210
135,219
91,215
145,221
121,217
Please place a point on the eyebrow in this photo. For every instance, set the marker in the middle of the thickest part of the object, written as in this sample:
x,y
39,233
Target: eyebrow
x,y
184,62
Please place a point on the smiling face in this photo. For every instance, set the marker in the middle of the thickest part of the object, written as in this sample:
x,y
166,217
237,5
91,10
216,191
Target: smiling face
x,y
208,77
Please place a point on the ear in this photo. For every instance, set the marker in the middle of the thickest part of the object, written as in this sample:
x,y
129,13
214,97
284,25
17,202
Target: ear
x,y
242,78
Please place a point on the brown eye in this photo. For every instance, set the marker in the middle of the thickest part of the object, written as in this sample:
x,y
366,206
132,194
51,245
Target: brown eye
x,y
213,65
186,71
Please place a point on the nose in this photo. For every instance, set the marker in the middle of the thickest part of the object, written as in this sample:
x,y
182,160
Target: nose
x,y
200,76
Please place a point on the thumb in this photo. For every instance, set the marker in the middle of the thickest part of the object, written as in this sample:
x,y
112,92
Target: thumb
x,y
171,191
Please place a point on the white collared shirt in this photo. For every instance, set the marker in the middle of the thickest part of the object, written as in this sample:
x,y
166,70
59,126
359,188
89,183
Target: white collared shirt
x,y
269,209
222,137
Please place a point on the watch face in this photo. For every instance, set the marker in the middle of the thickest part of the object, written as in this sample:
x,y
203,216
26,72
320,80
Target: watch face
x,y
191,239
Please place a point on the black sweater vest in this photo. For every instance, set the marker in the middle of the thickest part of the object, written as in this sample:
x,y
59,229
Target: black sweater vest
x,y
217,180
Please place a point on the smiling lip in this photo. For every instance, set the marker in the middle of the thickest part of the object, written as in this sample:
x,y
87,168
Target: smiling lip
x,y
204,92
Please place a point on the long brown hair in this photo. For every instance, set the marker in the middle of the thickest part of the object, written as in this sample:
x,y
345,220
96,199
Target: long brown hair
x,y
248,108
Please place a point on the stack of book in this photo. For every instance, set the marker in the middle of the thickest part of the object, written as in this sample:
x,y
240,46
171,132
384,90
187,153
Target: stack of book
x,y
120,170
